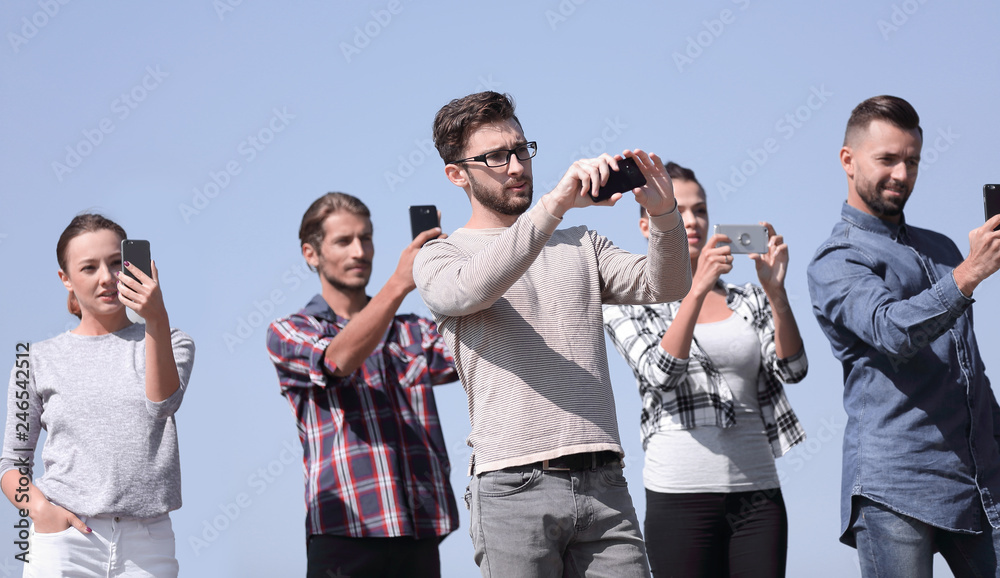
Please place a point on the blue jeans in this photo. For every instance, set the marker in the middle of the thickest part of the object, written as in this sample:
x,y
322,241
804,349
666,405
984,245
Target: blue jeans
x,y
526,523
891,544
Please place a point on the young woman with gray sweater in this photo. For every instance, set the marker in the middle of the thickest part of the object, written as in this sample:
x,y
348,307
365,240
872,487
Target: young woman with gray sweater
x,y
106,393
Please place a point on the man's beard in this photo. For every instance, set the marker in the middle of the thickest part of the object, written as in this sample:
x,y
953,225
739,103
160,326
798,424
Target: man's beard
x,y
503,202
872,195
353,286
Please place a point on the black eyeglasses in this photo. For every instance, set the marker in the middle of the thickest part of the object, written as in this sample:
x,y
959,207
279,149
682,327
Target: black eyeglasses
x,y
501,157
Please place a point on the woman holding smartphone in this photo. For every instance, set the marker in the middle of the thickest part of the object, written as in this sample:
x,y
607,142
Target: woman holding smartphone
x,y
106,393
710,370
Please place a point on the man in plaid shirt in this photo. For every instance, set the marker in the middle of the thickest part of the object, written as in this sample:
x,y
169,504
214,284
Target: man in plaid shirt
x,y
359,377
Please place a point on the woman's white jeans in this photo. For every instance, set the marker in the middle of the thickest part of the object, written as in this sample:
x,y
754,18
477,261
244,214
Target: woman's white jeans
x,y
117,547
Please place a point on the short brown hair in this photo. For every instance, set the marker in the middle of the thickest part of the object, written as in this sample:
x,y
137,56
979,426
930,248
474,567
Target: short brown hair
x,y
84,223
311,230
677,173
891,109
456,120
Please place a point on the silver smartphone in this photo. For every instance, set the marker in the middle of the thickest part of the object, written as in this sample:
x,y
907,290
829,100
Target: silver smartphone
x,y
745,238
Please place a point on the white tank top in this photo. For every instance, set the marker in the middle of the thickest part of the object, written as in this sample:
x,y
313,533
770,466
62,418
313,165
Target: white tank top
x,y
714,459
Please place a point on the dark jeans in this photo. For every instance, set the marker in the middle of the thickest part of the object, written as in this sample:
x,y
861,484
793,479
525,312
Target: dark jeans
x,y
340,557
741,534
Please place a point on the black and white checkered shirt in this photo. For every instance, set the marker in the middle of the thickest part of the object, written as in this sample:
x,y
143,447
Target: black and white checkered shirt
x,y
686,393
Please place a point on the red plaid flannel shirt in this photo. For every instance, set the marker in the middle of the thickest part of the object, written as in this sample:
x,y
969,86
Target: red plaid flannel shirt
x,y
375,459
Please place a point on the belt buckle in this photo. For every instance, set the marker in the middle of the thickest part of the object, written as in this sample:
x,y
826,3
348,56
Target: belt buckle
x,y
547,468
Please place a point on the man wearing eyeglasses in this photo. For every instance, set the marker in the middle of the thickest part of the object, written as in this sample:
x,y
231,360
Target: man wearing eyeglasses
x,y
519,304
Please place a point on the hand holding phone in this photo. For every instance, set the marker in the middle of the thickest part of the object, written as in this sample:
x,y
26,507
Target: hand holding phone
x,y
627,177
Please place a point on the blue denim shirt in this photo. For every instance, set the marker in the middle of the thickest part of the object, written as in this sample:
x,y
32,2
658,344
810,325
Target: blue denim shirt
x,y
920,435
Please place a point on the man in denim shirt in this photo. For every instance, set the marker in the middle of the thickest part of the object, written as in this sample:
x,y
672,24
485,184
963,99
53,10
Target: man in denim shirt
x,y
921,468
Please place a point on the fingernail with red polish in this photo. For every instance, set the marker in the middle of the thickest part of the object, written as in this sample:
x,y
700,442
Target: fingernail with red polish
x,y
89,530
127,263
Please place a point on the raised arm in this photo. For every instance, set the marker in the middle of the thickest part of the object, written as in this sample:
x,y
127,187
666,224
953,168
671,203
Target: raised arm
x,y
771,270
349,349
454,282
169,353
712,263
849,293
983,259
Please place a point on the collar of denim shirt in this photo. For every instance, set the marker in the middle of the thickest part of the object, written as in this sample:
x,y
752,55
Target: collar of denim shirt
x,y
873,224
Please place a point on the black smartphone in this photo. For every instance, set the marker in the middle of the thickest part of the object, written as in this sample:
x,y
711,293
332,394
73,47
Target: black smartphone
x,y
991,200
136,252
422,218
627,177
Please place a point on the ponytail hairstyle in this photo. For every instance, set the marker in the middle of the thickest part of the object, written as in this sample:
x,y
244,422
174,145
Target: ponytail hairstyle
x,y
85,223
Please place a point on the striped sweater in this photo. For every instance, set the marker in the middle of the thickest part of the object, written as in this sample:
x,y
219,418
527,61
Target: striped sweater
x,y
520,308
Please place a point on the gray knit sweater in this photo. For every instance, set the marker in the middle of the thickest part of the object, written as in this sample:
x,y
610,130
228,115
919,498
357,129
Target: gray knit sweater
x,y
109,450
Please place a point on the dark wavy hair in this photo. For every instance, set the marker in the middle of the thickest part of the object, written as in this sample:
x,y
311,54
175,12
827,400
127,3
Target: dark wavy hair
x,y
459,118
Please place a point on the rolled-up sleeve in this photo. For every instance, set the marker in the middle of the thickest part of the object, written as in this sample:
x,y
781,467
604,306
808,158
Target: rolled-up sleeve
x,y
636,332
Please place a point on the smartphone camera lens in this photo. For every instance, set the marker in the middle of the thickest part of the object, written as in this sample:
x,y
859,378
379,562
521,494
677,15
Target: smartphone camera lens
x,y
745,239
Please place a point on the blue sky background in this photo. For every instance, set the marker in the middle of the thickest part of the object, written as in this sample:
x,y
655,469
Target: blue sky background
x,y
208,128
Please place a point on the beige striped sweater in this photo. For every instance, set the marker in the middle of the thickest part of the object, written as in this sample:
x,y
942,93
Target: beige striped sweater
x,y
520,308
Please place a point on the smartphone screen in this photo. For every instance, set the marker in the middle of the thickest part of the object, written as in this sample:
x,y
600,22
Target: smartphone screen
x,y
136,252
991,200
422,218
627,177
